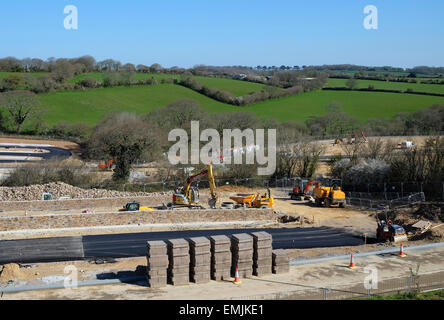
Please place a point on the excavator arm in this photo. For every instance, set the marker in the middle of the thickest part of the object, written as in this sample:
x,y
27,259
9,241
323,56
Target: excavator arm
x,y
189,181
211,182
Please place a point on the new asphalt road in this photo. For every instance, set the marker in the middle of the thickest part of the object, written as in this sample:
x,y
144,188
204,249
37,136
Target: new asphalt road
x,y
134,244
54,152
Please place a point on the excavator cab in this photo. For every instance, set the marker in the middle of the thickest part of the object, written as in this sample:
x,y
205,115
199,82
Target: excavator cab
x,y
180,198
132,206
135,206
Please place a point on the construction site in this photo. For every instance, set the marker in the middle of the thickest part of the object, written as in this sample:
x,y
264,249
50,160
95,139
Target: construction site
x,y
205,237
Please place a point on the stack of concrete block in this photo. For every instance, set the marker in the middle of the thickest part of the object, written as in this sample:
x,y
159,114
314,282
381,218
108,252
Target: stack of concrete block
x,y
179,262
281,261
220,257
157,263
262,253
200,259
242,254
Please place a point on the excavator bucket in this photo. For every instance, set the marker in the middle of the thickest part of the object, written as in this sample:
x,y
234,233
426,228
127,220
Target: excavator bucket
x,y
212,203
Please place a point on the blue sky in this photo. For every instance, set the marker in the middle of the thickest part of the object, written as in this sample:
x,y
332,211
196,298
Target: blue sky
x,y
228,32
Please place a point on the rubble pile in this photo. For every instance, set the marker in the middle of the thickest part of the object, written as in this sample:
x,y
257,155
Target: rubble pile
x,y
60,189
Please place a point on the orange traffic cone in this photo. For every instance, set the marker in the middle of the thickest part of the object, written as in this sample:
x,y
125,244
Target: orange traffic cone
x,y
352,261
236,277
401,251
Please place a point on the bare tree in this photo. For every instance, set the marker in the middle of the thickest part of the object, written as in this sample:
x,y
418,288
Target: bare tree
x,y
300,159
353,151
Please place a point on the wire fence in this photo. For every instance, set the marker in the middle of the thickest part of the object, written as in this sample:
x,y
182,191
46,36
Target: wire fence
x,y
408,284
382,203
362,195
386,191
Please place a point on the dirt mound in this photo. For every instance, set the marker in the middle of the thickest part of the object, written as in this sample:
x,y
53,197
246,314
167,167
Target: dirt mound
x,y
431,211
60,189
10,272
236,189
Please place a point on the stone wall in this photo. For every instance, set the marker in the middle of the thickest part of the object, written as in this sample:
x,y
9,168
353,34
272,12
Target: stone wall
x,y
79,204
131,218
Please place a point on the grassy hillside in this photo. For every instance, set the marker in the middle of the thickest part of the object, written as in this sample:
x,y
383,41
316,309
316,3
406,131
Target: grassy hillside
x,y
433,88
91,105
363,105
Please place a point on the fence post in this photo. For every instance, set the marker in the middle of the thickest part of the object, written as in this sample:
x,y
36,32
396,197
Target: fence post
x,y
324,294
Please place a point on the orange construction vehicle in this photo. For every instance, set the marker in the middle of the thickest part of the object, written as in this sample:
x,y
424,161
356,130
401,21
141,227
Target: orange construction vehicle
x,y
107,165
300,191
355,137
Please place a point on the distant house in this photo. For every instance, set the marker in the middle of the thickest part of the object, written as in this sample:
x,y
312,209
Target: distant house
x,y
240,76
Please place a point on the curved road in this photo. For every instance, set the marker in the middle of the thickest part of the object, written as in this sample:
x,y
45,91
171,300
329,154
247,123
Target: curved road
x,y
54,152
134,244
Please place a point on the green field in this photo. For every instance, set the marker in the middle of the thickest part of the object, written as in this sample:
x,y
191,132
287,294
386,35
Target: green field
x,y
363,105
420,87
91,105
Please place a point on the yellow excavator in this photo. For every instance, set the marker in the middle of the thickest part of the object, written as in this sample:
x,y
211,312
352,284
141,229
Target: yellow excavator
x,y
188,196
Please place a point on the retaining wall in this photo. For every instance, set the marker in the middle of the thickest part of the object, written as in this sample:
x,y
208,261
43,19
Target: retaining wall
x,y
78,204
131,218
